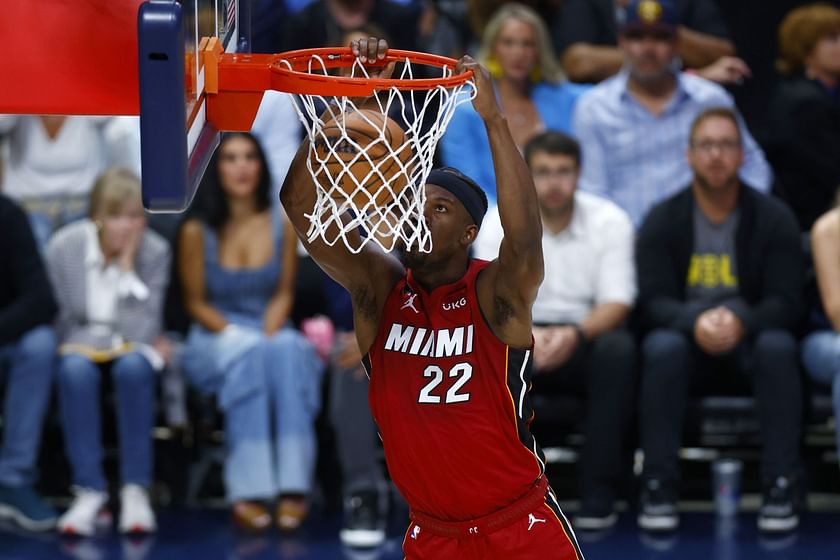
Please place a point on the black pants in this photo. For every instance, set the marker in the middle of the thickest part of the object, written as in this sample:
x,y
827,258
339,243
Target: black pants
x,y
356,437
675,367
603,370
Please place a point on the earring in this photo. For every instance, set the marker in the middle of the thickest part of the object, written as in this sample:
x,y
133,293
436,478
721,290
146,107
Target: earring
x,y
494,67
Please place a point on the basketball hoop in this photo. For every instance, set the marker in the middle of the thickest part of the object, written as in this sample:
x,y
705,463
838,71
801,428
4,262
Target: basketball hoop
x,y
369,171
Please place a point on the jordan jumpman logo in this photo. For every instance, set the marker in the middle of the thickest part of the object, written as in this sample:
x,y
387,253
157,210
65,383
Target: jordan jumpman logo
x,y
532,520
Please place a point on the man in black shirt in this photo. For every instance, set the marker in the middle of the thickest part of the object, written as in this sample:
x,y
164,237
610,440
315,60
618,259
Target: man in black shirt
x,y
324,23
720,270
804,118
27,352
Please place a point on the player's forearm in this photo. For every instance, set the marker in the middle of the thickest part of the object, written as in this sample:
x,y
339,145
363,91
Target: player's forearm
x,y
296,195
515,191
701,49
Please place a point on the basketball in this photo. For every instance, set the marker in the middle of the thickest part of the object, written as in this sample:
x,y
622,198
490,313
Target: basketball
x,y
362,154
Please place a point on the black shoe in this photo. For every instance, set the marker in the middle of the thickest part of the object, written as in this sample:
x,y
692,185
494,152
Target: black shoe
x,y
658,509
779,510
364,522
595,515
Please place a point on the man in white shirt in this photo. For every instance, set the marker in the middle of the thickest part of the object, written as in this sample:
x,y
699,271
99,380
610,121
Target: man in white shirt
x,y
588,292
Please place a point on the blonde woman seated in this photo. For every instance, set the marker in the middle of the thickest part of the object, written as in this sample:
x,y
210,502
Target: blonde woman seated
x,y
109,274
529,85
237,265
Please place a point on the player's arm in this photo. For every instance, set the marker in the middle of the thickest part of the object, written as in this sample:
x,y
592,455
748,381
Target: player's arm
x,y
508,287
369,275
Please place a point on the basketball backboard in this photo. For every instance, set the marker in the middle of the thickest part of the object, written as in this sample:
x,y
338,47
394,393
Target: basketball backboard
x,y
176,137
125,57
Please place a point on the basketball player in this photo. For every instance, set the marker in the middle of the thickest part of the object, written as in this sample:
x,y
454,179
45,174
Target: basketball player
x,y
447,345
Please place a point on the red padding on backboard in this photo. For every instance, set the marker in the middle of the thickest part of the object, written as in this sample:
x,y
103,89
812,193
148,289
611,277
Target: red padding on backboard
x,y
69,57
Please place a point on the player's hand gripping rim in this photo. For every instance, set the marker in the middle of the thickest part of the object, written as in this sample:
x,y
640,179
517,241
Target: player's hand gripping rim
x,y
484,102
371,52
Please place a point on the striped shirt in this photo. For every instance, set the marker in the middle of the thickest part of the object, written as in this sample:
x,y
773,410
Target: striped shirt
x,y
636,158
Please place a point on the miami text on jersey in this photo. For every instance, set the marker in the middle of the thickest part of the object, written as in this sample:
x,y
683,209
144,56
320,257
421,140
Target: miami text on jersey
x,y
440,343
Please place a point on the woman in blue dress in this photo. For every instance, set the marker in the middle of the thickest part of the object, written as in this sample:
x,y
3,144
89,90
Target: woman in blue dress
x,y
237,265
529,85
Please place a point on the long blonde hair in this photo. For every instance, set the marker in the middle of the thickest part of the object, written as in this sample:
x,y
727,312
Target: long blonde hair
x,y
547,68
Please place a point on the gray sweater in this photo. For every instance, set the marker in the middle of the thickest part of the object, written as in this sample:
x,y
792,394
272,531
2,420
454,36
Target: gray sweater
x,y
137,320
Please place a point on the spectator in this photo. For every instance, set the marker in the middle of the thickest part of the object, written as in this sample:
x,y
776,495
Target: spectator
x,y
588,291
364,487
27,353
237,268
804,123
586,36
324,22
720,274
821,349
634,126
529,85
53,161
110,274
475,15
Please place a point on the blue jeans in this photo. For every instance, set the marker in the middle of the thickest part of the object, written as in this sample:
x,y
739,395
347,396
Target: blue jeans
x,y
821,356
29,379
270,395
79,394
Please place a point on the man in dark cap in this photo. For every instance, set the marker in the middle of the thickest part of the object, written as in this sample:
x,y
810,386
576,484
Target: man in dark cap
x,y
633,127
586,37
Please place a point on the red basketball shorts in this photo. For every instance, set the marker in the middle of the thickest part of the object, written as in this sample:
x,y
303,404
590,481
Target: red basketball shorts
x,y
540,534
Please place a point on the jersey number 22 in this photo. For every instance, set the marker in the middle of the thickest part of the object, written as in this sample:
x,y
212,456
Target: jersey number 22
x,y
461,370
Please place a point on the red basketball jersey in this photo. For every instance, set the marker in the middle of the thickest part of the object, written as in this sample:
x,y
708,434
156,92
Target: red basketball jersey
x,y
451,402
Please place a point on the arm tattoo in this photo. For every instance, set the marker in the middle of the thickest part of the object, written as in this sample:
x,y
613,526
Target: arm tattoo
x,y
364,300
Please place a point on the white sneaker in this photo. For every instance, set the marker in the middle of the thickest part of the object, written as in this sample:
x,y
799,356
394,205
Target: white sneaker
x,y
136,515
86,513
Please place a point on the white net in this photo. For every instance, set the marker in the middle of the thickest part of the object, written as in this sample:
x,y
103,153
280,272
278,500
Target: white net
x,y
369,159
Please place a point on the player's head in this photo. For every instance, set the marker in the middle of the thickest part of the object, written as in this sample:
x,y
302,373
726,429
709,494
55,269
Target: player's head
x,y
715,150
648,37
554,160
455,208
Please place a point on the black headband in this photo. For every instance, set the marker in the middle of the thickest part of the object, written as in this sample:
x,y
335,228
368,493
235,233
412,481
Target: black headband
x,y
465,190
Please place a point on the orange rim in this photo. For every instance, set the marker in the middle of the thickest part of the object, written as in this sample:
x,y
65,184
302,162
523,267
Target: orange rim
x,y
295,77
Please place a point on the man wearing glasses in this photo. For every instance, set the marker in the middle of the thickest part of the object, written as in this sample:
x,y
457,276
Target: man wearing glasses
x,y
720,271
